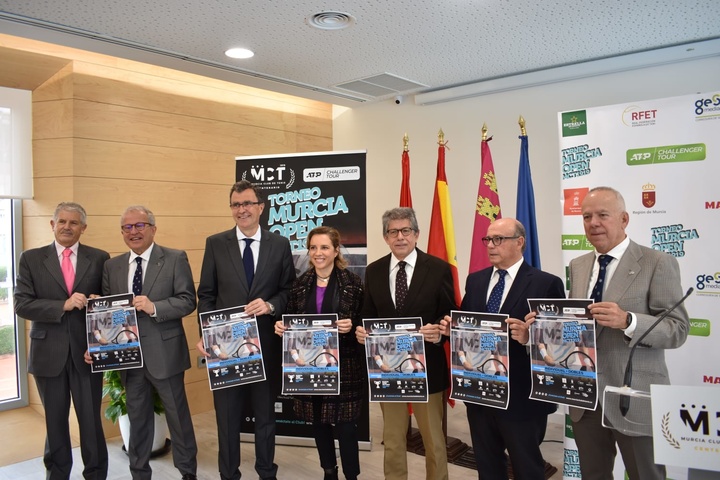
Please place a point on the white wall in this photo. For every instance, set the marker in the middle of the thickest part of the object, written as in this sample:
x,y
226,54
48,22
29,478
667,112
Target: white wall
x,y
379,128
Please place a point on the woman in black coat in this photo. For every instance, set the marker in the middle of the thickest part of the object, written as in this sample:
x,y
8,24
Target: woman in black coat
x,y
327,287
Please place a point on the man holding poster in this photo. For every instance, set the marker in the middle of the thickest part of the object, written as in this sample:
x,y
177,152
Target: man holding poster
x,y
161,280
411,283
505,288
251,267
631,286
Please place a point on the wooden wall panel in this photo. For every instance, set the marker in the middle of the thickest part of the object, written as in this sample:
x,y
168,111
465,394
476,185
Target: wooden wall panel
x,y
109,133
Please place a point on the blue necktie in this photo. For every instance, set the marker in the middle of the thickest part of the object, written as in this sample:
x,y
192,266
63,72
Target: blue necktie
x,y
597,290
493,304
137,278
249,262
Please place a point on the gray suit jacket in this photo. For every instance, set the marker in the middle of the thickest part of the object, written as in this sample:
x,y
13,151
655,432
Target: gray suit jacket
x,y
40,295
223,284
169,285
647,283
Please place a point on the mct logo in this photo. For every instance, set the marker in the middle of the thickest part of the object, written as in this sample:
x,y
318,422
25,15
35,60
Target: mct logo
x,y
260,173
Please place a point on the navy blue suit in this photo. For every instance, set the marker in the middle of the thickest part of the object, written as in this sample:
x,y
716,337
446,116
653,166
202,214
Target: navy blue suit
x,y
519,429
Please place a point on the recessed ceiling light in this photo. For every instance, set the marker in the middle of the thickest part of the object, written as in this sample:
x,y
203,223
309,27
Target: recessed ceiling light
x,y
330,20
239,53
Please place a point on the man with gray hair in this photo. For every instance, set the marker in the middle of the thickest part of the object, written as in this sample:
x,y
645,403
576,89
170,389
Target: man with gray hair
x,y
162,282
53,286
411,283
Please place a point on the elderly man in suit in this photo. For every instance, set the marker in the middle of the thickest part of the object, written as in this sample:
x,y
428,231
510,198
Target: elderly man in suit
x,y
248,265
410,283
632,285
162,282
53,285
504,288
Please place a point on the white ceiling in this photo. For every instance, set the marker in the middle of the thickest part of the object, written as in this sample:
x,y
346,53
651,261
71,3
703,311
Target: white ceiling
x,y
437,44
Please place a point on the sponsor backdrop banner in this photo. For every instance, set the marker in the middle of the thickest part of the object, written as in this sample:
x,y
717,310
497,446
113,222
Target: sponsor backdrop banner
x,y
304,191
662,155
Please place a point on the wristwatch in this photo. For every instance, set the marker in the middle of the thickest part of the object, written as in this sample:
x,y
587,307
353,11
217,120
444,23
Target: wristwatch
x,y
271,307
628,319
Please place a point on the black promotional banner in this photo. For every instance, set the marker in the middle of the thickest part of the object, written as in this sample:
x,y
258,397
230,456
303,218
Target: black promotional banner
x,y
304,191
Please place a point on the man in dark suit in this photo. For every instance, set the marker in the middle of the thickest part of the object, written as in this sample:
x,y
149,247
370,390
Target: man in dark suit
x,y
521,428
55,304
639,285
427,293
162,282
250,266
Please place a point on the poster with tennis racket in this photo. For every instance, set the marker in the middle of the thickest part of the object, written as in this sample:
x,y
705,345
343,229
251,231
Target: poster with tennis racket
x,y
564,364
112,333
232,340
480,363
395,353
311,356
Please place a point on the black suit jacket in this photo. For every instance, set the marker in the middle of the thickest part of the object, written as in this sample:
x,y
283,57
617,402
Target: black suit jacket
x,y
40,295
223,285
530,283
431,296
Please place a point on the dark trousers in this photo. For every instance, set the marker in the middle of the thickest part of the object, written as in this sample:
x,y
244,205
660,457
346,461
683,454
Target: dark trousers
x,y
596,447
86,391
229,404
348,440
139,385
492,433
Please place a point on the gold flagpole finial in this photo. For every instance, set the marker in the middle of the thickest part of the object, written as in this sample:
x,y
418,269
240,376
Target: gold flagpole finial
x,y
406,141
521,122
441,138
484,132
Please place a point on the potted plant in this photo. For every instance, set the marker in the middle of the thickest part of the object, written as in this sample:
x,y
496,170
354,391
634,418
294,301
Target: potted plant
x,y
116,410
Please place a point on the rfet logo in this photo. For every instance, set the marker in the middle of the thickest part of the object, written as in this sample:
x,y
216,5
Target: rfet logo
x,y
573,200
636,116
648,195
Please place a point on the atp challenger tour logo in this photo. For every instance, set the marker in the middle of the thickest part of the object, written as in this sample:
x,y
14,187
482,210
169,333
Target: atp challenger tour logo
x,y
576,160
574,123
671,238
692,152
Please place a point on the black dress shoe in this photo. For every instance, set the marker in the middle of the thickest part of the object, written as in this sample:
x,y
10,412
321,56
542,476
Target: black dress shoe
x,y
189,476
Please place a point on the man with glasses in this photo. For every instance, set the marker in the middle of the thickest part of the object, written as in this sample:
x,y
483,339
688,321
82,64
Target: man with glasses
x,y
504,288
53,285
162,282
410,283
250,266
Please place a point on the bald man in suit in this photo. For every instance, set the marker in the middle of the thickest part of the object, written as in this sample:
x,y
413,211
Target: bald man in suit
x,y
58,341
521,428
640,284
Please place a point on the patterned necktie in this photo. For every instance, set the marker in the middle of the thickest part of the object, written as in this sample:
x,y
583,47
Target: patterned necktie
x,y
597,290
493,304
249,262
67,270
137,278
401,286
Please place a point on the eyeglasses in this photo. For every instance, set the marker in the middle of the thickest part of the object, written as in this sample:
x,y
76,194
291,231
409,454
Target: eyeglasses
x,y
140,226
496,240
246,205
393,232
